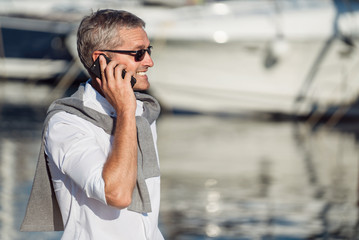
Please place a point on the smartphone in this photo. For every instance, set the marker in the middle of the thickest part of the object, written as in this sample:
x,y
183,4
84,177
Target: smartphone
x,y
95,69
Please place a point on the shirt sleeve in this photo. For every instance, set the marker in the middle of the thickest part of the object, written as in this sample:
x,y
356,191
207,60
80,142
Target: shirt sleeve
x,y
74,149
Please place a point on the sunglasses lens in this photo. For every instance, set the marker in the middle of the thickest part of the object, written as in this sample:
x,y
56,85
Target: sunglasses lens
x,y
141,54
138,56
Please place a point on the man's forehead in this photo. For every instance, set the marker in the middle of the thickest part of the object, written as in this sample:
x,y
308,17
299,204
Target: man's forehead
x,y
135,37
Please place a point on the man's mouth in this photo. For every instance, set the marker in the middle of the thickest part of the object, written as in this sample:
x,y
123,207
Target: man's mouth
x,y
141,73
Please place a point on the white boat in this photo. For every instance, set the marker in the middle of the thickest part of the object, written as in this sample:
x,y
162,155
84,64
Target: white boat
x,y
288,57
250,56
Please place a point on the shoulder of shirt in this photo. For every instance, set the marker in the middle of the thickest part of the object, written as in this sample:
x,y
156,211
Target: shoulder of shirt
x,y
69,121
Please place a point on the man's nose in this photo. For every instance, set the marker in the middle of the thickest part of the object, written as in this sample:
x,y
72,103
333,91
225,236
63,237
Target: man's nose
x,y
147,60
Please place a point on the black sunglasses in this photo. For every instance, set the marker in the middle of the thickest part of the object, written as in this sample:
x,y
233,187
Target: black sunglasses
x,y
139,54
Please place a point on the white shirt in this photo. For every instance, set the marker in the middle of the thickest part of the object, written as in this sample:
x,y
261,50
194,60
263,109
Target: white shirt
x,y
77,151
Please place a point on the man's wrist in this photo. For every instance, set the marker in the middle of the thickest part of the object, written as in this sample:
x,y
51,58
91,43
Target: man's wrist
x,y
125,114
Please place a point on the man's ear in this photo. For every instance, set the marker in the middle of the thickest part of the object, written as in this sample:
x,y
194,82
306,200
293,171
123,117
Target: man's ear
x,y
95,55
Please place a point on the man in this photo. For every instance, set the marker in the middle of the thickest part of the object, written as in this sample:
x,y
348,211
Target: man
x,y
100,144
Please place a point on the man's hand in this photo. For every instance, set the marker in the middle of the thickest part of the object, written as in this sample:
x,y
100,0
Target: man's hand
x,y
117,90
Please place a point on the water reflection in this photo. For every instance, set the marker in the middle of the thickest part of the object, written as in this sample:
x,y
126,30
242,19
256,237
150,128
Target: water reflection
x,y
222,178
7,196
20,129
245,179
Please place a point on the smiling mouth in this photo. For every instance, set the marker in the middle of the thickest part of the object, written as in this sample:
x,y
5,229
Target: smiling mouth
x,y
141,73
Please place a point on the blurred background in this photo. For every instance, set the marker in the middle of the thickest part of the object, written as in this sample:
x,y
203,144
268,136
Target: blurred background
x,y
258,138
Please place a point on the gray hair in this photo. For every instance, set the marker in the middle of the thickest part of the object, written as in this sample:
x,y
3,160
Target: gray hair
x,y
100,30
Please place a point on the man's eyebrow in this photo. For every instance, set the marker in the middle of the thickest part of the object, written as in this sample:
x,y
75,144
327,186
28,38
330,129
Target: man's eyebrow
x,y
142,46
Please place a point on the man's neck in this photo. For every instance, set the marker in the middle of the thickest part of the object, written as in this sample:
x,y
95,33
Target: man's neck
x,y
96,86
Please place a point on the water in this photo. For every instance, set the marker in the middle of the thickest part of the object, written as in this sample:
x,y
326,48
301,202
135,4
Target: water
x,y
229,178
222,178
